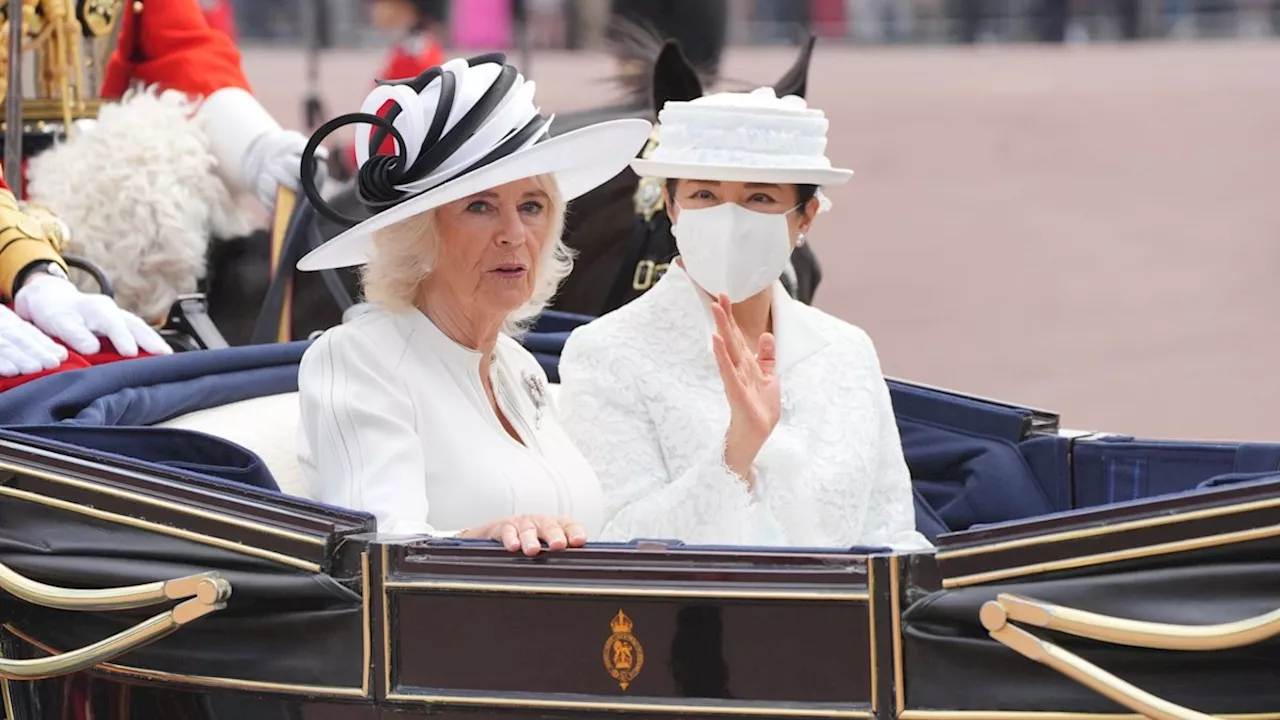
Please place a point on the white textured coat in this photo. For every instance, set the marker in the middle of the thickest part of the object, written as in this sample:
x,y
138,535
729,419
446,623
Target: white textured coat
x,y
395,422
641,395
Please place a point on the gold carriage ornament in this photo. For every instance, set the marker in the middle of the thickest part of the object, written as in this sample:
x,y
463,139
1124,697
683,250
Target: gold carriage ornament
x,y
65,46
623,655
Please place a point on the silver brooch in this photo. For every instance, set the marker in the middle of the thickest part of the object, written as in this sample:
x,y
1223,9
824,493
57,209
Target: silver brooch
x,y
538,393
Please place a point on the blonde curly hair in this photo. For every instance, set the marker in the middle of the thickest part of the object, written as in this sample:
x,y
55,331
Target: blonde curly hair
x,y
404,256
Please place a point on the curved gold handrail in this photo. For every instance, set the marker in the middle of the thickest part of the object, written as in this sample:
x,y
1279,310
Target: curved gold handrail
x,y
207,593
1136,633
997,614
122,598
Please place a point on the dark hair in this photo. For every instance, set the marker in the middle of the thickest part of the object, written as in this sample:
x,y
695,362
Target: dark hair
x,y
804,192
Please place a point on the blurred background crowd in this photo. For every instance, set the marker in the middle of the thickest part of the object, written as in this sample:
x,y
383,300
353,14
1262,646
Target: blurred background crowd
x,y
581,24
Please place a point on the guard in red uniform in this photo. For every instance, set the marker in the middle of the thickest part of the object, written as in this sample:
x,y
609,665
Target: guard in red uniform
x,y
169,44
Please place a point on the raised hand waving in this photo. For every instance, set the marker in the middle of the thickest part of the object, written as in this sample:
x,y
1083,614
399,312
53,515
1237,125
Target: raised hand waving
x,y
751,386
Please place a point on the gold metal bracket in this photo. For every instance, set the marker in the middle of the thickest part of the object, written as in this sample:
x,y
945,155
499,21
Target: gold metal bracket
x,y
996,616
1122,631
205,593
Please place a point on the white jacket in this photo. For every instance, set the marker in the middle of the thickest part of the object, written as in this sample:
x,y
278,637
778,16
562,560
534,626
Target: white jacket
x,y
641,395
395,422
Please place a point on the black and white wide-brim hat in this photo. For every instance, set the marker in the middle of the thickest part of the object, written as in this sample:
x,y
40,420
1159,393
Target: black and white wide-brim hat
x,y
460,128
743,137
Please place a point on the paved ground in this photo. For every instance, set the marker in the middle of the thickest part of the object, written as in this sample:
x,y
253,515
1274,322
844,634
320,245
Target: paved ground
x,y
1092,231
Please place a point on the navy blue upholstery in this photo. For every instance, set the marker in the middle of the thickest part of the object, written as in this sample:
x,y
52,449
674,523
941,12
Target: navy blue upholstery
x,y
548,337
109,409
1123,468
172,448
1209,486
928,522
970,464
175,452
151,390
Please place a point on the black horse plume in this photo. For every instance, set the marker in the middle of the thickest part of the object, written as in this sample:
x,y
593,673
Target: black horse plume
x,y
796,80
674,77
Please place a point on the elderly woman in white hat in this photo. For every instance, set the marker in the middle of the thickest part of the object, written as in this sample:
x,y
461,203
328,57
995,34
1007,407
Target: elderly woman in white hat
x,y
715,408
425,411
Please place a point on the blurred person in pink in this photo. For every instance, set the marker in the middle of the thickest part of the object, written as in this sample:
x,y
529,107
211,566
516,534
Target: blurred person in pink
x,y
482,23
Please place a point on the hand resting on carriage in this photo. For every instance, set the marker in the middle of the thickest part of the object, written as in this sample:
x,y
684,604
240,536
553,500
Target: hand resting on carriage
x,y
60,310
528,532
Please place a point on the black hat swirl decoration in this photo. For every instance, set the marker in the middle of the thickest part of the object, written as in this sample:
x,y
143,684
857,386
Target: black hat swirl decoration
x,y
421,159
448,123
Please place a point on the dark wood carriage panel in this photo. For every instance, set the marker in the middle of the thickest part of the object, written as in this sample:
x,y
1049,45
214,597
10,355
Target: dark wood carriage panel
x,y
638,712
765,651
730,633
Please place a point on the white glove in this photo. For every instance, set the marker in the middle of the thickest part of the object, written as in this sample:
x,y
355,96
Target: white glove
x,y
59,309
275,158
24,350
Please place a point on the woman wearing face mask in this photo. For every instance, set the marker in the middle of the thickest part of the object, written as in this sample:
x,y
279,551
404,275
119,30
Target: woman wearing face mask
x,y
715,408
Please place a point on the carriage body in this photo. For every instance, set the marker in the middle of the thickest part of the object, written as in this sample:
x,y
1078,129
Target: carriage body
x,y
1078,540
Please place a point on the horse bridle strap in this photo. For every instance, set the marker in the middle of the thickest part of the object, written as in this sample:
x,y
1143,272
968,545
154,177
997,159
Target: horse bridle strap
x,y
286,203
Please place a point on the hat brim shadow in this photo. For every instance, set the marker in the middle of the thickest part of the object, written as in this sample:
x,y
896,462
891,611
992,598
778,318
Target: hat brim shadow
x,y
580,160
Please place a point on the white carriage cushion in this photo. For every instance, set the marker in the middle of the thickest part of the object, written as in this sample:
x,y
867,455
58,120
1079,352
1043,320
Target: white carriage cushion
x,y
268,426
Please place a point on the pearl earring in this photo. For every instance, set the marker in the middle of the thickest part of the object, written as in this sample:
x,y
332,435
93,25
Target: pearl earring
x,y
800,240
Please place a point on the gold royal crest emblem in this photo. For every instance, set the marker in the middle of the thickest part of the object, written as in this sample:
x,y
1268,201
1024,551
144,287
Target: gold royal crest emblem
x,y
623,656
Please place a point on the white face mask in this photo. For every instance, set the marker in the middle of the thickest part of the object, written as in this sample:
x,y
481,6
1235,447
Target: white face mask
x,y
730,250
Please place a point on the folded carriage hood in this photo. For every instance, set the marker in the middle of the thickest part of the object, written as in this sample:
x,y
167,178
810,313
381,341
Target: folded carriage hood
x,y
281,624
951,663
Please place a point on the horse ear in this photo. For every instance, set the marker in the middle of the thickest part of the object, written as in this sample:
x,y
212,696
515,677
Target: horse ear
x,y
796,81
674,77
